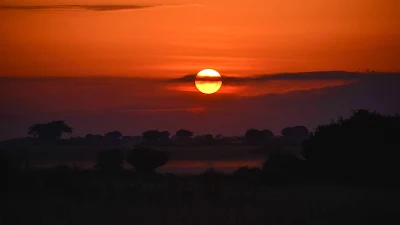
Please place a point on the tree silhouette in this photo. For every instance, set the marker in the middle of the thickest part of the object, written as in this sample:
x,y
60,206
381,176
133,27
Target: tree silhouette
x,y
89,137
94,139
295,132
151,135
184,134
362,147
209,137
113,137
283,167
164,135
146,160
294,135
267,133
50,131
254,136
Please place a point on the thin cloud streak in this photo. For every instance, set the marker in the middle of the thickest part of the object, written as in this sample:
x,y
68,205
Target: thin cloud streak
x,y
97,8
107,111
301,76
192,110
285,82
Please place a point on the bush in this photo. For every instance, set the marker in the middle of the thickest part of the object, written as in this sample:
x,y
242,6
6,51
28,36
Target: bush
x,y
281,168
110,161
146,160
363,147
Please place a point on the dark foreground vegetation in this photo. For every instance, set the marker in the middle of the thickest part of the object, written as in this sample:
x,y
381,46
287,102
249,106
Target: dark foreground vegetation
x,y
64,195
349,175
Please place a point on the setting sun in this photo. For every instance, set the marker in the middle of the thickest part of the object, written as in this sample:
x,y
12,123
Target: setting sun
x,y
208,81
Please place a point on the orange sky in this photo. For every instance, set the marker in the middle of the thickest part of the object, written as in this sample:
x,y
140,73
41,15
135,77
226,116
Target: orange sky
x,y
184,36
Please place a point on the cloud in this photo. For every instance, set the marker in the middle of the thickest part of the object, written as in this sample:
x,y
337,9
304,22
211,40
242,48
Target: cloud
x,y
164,110
113,7
224,114
123,110
284,82
300,76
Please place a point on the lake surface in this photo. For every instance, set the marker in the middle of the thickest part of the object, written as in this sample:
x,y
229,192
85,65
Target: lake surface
x,y
173,166
183,159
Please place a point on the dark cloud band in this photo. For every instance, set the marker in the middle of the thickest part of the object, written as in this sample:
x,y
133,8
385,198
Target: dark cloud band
x,y
306,76
88,7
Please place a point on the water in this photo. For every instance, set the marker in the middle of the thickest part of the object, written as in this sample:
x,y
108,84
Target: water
x,y
173,166
183,159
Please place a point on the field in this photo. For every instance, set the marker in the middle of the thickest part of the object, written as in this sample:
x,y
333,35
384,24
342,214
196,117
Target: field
x,y
182,193
69,196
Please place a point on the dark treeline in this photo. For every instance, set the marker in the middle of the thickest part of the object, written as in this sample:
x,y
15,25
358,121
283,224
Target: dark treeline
x,y
52,134
362,148
346,174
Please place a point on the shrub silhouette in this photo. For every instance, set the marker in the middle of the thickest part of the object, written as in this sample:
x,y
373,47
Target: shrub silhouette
x,y
151,135
113,138
50,131
282,167
146,160
92,139
184,134
250,174
209,137
295,132
164,135
110,161
113,135
362,147
254,136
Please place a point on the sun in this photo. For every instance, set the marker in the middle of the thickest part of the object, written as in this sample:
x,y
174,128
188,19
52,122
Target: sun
x,y
208,81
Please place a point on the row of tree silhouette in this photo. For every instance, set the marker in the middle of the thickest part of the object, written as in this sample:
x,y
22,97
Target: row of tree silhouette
x,y
362,148
54,130
50,131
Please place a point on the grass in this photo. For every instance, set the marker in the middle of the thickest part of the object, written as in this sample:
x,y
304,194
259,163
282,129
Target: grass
x,y
82,153
69,196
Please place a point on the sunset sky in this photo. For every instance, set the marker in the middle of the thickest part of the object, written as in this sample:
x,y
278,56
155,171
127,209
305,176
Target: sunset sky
x,y
147,53
177,37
